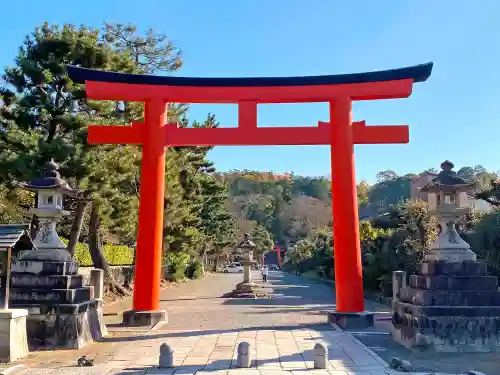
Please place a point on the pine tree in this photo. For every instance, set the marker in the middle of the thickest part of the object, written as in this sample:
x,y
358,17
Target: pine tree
x,y
262,239
44,115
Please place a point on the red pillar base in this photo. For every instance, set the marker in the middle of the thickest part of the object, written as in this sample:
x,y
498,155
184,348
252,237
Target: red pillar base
x,y
350,321
133,318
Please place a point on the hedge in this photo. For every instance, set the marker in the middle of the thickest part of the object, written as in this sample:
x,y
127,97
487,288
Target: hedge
x,y
114,254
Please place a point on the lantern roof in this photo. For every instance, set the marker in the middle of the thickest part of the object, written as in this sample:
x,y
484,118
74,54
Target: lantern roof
x,y
447,178
246,243
50,179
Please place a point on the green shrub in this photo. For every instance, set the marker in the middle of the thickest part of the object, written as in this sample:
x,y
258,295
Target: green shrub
x,y
195,270
114,254
119,254
176,265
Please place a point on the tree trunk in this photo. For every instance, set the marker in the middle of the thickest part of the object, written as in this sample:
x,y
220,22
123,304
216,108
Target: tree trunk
x,y
203,260
216,263
97,254
76,227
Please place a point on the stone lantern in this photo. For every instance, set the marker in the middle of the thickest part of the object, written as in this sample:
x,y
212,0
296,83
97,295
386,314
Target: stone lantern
x,y
65,308
447,195
50,189
450,304
246,246
247,289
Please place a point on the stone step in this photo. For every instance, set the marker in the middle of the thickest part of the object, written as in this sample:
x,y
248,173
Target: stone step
x,y
51,307
450,297
65,326
37,267
57,296
442,268
402,308
26,280
454,282
447,333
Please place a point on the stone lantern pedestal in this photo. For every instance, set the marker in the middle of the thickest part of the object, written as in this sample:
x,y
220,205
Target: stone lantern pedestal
x,y
451,304
63,312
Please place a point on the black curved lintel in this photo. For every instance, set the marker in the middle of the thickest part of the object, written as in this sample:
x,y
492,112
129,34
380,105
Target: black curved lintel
x,y
418,73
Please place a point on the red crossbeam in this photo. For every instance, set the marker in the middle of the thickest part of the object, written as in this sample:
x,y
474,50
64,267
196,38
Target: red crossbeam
x,y
303,135
116,134
267,94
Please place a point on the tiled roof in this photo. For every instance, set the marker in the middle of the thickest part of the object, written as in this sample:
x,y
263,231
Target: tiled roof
x,y
11,233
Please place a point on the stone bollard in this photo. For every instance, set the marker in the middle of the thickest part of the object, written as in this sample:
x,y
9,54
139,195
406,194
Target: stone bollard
x,y
398,283
320,356
243,359
166,356
97,281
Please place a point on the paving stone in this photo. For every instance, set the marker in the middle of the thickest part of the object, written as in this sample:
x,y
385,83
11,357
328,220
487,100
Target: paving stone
x,y
159,371
301,365
274,372
186,370
195,361
244,371
372,368
131,371
340,364
218,365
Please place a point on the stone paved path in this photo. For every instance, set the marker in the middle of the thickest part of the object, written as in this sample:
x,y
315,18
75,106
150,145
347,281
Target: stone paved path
x,y
204,329
273,351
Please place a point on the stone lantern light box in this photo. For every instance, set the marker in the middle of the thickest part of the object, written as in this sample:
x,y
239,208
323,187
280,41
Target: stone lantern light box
x,y
447,189
447,196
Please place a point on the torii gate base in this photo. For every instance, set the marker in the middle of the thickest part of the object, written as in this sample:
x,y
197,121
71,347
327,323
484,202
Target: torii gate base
x,y
340,133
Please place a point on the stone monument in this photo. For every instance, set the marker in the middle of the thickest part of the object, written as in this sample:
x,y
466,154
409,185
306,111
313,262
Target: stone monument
x,y
451,304
63,312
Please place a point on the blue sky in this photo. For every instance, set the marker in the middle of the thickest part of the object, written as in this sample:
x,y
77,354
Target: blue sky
x,y
452,116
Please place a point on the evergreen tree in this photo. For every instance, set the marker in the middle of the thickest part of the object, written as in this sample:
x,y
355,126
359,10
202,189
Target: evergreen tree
x,y
44,115
263,241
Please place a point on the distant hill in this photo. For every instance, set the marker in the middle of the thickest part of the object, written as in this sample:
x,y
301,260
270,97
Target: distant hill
x,y
291,207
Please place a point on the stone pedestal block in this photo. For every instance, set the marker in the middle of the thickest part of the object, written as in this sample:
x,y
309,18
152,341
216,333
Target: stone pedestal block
x,y
62,310
97,281
13,337
39,267
398,283
349,321
449,307
132,318
68,326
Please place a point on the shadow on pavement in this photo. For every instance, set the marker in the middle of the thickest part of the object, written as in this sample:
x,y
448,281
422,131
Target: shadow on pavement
x,y
282,361
318,327
314,311
187,299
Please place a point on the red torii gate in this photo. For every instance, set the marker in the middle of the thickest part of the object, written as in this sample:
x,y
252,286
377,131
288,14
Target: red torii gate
x,y
277,248
155,133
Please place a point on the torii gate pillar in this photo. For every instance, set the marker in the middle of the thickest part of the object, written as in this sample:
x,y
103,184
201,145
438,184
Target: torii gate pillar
x,y
347,246
148,261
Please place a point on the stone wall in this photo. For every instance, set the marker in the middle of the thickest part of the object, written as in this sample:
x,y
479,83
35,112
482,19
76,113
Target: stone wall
x,y
122,274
